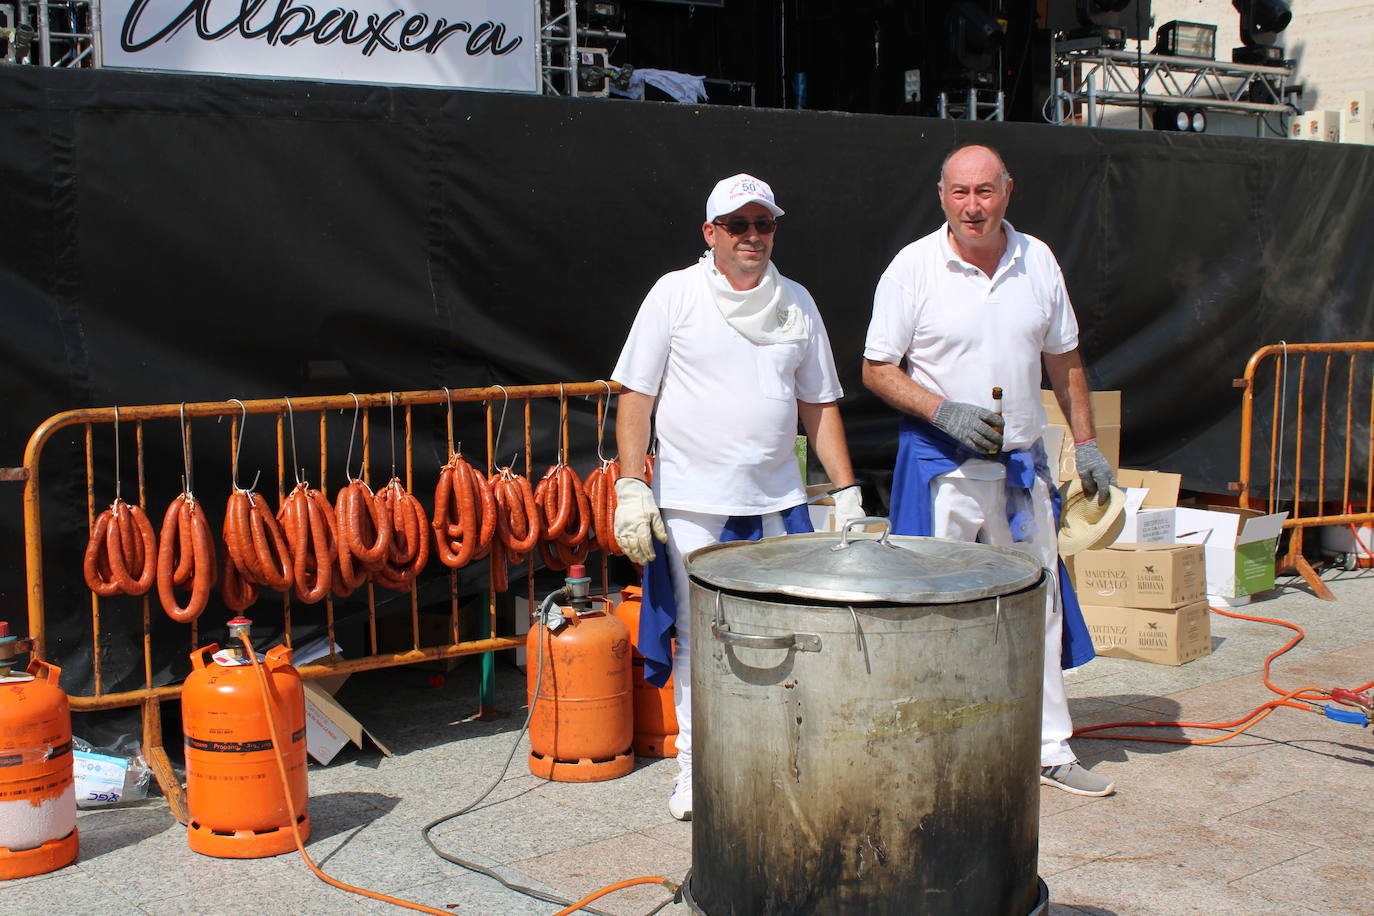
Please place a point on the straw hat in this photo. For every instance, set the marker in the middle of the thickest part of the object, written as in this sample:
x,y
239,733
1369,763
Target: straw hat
x,y
1085,523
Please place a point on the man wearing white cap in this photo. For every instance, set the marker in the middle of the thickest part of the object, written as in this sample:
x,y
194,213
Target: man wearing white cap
x,y
972,307
723,358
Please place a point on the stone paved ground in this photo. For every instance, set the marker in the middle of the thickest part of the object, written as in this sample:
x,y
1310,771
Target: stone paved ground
x,y
1276,821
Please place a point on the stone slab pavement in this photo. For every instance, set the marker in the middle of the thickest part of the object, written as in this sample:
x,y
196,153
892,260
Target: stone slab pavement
x,y
1276,820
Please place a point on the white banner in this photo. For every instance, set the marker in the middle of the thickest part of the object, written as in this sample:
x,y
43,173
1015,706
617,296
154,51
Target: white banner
x,y
478,44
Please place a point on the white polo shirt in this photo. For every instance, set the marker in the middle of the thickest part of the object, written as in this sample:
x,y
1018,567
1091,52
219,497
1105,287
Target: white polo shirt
x,y
726,414
963,334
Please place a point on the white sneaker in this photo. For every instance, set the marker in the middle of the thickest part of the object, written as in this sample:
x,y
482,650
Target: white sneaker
x,y
1073,777
680,802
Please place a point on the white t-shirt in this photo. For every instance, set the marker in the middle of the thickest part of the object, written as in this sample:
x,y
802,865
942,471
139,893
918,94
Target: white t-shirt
x,y
962,334
726,414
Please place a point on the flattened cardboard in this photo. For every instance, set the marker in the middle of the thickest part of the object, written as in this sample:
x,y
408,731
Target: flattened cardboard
x,y
328,726
1140,575
1164,636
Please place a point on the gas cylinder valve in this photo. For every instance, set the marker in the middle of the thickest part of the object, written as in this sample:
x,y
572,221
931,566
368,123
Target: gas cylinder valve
x,y
240,628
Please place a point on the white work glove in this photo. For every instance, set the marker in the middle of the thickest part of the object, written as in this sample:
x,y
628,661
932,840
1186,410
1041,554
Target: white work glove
x,y
848,505
1094,472
636,518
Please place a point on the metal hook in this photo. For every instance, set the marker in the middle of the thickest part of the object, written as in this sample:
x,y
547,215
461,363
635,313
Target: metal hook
x,y
562,426
238,445
353,434
501,423
185,454
391,399
116,438
601,427
296,468
448,395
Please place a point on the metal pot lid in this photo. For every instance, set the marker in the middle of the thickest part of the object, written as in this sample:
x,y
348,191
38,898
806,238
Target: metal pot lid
x,y
842,567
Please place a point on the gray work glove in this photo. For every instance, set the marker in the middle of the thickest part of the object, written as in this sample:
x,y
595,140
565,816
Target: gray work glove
x,y
1093,470
848,505
973,426
637,520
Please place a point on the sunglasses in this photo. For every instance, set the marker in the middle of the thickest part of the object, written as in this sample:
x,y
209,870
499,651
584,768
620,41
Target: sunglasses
x,y
739,225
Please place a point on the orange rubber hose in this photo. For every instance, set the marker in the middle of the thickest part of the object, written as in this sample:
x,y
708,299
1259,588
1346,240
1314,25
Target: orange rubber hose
x,y
1305,697
610,888
291,807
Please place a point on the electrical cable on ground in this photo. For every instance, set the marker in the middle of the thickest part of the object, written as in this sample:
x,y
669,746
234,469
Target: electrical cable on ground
x,y
291,805
1303,698
569,906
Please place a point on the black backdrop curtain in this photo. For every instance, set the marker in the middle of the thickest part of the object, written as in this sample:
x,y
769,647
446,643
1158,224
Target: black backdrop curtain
x,y
170,238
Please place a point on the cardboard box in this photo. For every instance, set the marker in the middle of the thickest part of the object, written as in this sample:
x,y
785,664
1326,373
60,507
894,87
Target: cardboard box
x,y
1164,636
1322,125
1151,497
1106,408
1107,423
1238,545
1140,575
1355,112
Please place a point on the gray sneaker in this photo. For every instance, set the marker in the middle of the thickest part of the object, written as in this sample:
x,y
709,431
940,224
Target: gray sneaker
x,y
1072,777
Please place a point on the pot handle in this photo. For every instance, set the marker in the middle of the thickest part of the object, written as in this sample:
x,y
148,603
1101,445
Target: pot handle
x,y
865,521
802,642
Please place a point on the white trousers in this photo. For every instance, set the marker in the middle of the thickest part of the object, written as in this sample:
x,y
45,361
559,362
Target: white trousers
x,y
976,510
686,532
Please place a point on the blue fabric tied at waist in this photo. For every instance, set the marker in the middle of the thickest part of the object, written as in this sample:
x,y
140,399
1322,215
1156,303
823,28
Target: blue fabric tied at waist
x,y
925,452
658,608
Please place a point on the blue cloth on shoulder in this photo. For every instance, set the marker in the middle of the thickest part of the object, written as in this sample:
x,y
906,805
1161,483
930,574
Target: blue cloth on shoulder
x,y
658,607
925,452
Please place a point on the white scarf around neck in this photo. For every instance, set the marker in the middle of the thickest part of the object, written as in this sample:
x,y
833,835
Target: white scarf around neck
x,y
767,314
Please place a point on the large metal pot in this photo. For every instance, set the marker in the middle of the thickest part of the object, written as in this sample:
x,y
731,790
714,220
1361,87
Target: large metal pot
x,y
866,721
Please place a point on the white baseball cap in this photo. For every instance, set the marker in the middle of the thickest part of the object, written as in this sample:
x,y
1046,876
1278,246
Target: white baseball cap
x,y
734,192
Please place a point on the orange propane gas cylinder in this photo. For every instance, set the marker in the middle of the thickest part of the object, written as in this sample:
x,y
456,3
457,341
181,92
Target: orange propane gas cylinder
x,y
582,716
233,787
655,717
37,796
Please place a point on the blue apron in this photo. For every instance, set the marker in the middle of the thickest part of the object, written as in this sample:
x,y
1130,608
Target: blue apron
x,y
924,453
658,608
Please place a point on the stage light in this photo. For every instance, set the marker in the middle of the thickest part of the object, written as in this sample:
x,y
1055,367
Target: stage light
x,y
24,34
601,14
975,38
1261,21
1102,18
1187,39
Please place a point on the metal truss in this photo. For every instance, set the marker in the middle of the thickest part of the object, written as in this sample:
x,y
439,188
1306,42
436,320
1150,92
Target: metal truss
x,y
973,104
1100,77
50,33
558,47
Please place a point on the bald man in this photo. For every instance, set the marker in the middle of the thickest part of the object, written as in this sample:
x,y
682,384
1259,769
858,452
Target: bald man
x,y
971,307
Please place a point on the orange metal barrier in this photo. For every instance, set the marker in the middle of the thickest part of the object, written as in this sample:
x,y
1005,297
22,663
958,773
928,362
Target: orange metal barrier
x,y
1341,428
288,412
